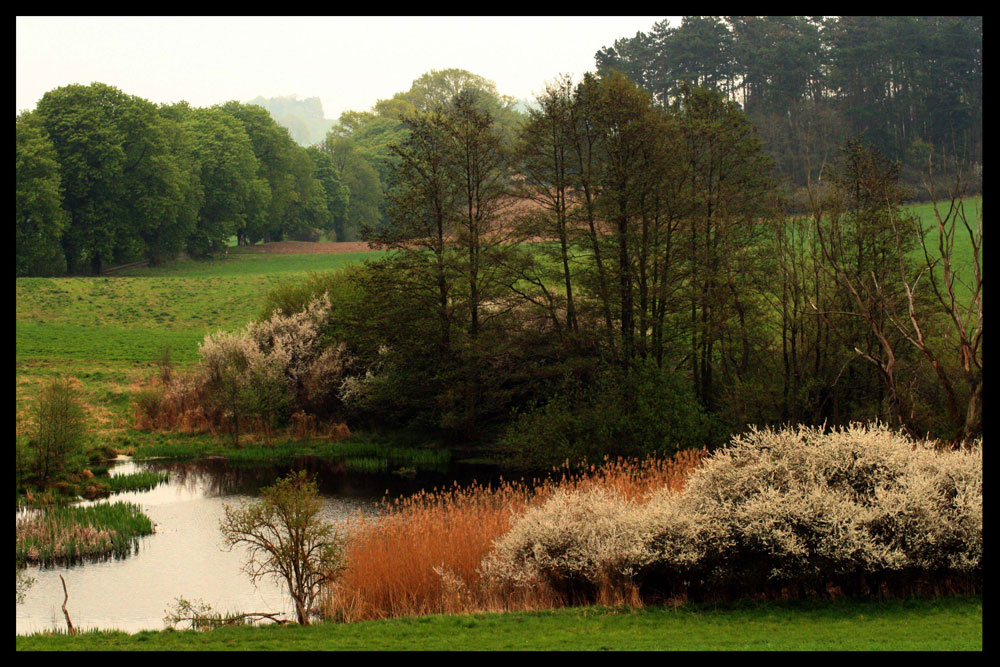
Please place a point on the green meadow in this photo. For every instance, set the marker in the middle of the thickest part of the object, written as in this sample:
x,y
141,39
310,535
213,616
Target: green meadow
x,y
946,624
132,315
108,332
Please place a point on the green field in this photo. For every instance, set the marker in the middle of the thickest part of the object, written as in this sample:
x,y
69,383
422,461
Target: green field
x,y
948,624
108,332
130,317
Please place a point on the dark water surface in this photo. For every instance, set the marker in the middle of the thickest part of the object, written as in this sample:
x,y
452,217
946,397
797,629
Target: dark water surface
x,y
185,556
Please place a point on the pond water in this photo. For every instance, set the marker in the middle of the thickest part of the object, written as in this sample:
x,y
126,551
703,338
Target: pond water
x,y
185,556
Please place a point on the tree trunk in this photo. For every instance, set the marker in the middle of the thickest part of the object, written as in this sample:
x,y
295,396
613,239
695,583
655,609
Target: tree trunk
x,y
974,414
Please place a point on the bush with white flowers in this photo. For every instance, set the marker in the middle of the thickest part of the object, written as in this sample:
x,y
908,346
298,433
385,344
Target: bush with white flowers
x,y
855,507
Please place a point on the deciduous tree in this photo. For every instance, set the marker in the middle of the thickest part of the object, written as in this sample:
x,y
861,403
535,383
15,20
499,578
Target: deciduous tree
x,y
286,538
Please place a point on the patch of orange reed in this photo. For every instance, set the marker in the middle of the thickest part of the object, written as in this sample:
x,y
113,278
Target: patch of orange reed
x,y
421,554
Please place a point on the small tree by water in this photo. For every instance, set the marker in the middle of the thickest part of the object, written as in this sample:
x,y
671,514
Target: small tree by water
x,y
287,539
58,433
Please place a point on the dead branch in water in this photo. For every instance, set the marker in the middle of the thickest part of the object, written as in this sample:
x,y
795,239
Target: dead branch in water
x,y
69,623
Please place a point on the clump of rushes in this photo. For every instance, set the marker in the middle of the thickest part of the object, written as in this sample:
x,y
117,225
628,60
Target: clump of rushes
x,y
422,554
137,481
68,534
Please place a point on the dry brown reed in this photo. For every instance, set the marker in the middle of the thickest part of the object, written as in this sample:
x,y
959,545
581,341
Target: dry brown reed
x,y
179,405
422,554
182,406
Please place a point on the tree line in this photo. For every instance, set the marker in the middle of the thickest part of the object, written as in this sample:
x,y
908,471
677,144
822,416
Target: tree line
x,y
908,85
104,178
614,273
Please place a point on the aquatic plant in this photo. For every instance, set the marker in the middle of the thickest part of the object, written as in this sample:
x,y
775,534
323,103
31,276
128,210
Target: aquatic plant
x,y
68,534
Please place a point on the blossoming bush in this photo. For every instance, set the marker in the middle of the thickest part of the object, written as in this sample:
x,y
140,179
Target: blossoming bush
x,y
253,378
576,541
777,512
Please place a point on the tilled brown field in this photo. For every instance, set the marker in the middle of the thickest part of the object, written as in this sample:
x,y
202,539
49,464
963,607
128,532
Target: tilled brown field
x,y
304,247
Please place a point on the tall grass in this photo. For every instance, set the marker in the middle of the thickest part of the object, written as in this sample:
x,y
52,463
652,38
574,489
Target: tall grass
x,y
67,534
422,554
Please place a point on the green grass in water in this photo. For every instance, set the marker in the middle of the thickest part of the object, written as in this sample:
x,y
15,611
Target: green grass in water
x,y
137,481
68,534
359,454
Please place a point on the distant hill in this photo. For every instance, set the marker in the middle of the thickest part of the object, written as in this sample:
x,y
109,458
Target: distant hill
x,y
303,118
523,104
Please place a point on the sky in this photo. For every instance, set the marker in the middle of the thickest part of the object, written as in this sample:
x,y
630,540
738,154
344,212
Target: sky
x,y
348,62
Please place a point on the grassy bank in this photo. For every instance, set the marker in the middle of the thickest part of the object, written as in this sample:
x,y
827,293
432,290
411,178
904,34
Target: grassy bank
x,y
948,624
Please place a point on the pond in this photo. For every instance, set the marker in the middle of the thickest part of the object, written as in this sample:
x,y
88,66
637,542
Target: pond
x,y
185,556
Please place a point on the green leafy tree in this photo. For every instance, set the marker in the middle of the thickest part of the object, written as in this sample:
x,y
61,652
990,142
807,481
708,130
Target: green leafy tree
x,y
234,195
363,185
436,90
732,206
58,433
120,181
274,150
420,230
307,213
544,162
286,538
164,242
40,220
335,193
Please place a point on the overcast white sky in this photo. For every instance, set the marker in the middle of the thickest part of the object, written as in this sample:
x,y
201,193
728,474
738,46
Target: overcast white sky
x,y
348,62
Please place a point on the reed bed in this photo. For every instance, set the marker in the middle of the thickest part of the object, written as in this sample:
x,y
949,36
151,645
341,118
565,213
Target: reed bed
x,y
422,554
68,534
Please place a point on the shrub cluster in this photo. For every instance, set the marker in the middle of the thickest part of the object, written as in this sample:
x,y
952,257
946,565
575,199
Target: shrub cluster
x,y
792,512
255,378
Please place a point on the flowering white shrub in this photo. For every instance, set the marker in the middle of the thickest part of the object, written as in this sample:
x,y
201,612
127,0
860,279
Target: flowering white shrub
x,y
934,521
262,370
800,504
575,536
775,508
292,341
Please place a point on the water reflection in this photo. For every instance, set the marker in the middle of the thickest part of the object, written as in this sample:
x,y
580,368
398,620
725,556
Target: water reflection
x,y
185,556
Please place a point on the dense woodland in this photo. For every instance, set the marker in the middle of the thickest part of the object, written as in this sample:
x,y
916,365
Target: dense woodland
x,y
908,85
707,233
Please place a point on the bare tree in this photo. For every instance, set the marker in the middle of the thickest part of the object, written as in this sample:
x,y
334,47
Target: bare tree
x,y
903,300
860,249
286,539
962,313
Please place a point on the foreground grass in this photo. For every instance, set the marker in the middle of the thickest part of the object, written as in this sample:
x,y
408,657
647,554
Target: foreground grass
x,y
949,624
